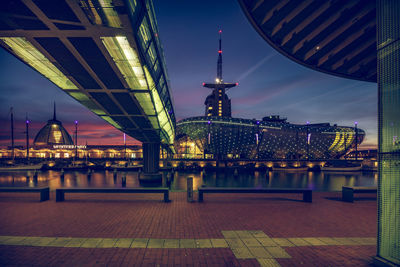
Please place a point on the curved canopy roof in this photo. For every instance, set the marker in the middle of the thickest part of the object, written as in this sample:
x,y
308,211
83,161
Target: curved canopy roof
x,y
53,133
333,36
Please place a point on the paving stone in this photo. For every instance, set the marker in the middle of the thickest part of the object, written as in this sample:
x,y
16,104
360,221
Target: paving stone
x,y
268,263
187,243
171,243
364,241
139,243
28,241
203,243
283,242
260,252
155,243
314,241
242,253
5,237
43,241
345,241
370,239
229,234
91,242
16,240
179,219
59,242
267,242
243,234
299,242
75,243
219,243
277,252
107,243
258,234
234,242
251,242
329,241
123,243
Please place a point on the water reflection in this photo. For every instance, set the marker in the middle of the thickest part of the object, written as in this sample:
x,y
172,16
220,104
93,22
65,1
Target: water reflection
x,y
318,181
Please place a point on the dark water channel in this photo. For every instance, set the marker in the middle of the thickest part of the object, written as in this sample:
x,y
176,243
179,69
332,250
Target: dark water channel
x,y
318,181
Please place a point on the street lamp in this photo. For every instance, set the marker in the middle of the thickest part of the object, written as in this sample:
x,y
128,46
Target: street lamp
x,y
308,140
76,139
208,138
27,137
257,138
125,146
356,130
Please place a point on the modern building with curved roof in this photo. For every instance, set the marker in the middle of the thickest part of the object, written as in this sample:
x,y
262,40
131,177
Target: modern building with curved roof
x,y
270,138
53,133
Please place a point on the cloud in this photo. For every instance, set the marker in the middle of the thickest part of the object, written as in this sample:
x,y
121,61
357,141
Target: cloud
x,y
255,67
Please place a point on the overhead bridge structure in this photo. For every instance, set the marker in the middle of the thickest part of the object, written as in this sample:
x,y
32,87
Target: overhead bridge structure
x,y
106,54
356,39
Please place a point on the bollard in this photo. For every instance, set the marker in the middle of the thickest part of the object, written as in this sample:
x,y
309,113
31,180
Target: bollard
x,y
169,183
190,189
124,181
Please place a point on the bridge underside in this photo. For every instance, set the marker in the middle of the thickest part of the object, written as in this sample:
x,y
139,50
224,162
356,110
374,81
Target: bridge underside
x,y
105,54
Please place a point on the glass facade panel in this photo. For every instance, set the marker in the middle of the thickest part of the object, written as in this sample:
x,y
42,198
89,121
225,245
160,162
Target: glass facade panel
x,y
101,12
144,34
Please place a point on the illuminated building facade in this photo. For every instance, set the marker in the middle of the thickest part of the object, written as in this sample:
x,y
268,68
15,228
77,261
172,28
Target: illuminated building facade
x,y
218,135
53,133
84,152
54,142
271,138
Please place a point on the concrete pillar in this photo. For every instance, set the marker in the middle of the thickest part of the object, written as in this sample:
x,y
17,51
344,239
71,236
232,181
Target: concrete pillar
x,y
388,49
151,161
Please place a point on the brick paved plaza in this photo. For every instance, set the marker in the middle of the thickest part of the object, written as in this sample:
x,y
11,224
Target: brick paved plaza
x,y
225,230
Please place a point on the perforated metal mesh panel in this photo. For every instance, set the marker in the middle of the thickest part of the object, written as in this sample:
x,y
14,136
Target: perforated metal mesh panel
x,y
388,26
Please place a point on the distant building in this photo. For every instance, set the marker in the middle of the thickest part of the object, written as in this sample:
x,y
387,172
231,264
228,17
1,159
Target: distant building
x,y
218,135
53,133
53,141
218,103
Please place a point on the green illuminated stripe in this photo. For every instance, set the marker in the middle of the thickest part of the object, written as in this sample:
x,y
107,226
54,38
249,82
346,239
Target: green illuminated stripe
x,y
111,121
127,61
228,122
34,58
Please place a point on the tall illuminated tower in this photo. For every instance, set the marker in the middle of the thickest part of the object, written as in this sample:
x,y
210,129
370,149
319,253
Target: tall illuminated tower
x,y
218,103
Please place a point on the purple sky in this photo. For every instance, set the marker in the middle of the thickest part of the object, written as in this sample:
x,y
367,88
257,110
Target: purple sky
x,y
269,83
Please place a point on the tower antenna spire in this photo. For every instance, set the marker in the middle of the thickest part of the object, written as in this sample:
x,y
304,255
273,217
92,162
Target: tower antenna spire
x,y
54,111
219,64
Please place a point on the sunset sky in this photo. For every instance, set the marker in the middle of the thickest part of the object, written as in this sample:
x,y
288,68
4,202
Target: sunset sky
x,y
269,83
